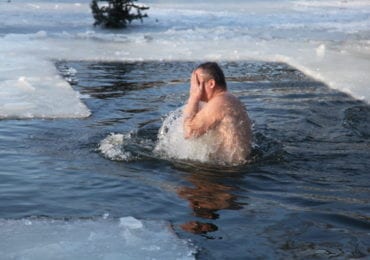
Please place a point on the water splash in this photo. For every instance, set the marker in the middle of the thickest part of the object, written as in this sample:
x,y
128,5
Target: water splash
x,y
172,144
112,147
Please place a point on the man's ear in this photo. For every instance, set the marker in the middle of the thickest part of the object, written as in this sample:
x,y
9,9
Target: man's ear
x,y
212,83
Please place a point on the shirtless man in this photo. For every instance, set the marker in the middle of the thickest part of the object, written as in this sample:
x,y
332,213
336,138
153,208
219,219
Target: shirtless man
x,y
223,114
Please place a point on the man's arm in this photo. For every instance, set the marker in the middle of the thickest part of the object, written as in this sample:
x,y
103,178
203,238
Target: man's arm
x,y
192,107
198,121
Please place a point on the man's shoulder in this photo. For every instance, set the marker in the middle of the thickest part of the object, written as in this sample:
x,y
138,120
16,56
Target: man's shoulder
x,y
218,100
225,98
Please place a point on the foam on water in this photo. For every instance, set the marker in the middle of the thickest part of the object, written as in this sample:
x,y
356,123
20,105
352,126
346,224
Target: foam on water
x,y
112,147
103,238
126,147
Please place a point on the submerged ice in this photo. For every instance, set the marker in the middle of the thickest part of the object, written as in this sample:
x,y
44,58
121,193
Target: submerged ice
x,y
103,238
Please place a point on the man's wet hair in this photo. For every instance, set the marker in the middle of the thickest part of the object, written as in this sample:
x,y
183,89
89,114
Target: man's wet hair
x,y
214,71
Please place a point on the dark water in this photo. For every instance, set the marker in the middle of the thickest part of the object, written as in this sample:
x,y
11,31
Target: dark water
x,y
306,196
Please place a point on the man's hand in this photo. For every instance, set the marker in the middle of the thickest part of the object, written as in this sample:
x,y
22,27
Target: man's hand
x,y
198,121
192,107
196,87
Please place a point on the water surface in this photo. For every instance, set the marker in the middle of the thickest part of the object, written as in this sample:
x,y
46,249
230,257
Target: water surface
x,y
306,195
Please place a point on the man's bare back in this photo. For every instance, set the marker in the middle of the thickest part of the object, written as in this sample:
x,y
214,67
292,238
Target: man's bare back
x,y
223,116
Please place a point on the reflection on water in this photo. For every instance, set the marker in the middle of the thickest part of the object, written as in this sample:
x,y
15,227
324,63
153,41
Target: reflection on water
x,y
206,197
305,196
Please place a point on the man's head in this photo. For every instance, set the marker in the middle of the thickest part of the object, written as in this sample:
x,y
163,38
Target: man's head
x,y
211,75
211,71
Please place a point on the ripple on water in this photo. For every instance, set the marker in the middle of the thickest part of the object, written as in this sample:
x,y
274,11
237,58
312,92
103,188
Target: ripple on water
x,y
357,119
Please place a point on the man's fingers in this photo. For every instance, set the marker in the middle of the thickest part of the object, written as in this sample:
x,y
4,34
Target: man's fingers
x,y
196,77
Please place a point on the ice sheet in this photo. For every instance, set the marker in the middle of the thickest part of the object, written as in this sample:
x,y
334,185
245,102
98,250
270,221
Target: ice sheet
x,y
103,238
31,87
329,40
